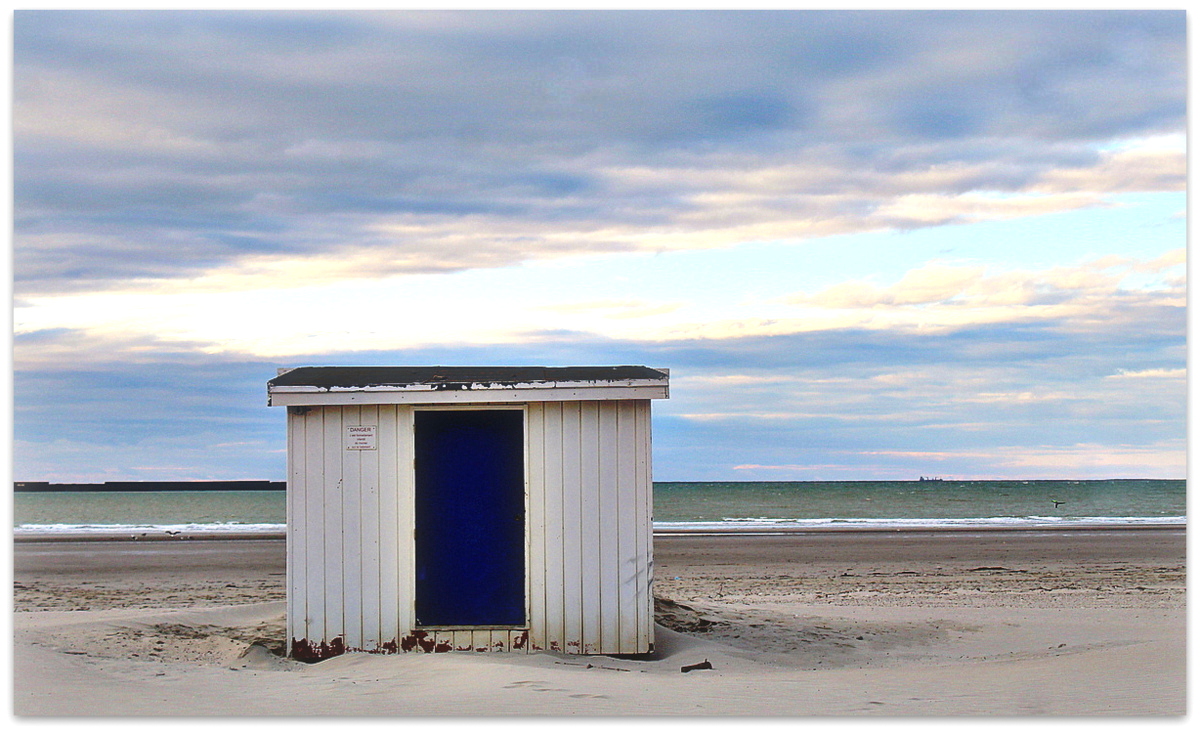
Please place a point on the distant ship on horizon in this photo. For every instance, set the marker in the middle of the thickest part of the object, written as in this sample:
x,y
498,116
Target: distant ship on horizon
x,y
930,478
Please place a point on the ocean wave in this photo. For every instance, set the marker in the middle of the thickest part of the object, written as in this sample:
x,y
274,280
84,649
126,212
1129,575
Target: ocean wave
x,y
761,523
727,524
127,529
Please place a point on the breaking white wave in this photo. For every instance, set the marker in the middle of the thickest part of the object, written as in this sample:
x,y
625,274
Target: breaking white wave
x,y
122,530
731,524
766,523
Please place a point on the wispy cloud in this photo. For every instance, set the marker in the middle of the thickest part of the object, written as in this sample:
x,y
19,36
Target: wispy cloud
x,y
941,295
1150,374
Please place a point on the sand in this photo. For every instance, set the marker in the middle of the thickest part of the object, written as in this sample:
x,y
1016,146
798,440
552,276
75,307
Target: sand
x,y
929,623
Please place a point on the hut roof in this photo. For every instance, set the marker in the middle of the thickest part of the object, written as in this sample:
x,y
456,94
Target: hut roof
x,y
514,382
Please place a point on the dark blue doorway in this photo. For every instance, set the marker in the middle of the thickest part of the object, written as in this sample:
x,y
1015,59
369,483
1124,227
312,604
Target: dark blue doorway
x,y
470,517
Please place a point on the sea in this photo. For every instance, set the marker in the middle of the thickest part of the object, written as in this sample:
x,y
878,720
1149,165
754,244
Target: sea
x,y
678,506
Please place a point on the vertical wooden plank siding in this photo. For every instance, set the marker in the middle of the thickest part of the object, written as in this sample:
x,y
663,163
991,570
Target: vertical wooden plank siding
x,y
343,516
645,525
350,546
589,512
351,562
314,525
335,625
608,498
369,538
501,640
629,573
463,640
595,476
389,528
572,598
535,594
296,608
406,560
443,640
547,538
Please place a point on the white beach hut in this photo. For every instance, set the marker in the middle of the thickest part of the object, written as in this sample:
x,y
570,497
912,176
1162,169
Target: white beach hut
x,y
469,508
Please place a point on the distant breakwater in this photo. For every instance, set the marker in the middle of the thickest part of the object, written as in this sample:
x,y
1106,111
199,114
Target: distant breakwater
x,y
154,486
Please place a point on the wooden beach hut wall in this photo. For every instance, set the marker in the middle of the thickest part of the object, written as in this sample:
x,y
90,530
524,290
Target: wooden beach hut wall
x,y
469,508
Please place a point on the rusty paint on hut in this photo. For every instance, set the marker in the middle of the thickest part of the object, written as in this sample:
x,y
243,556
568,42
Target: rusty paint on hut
x,y
304,651
424,642
415,639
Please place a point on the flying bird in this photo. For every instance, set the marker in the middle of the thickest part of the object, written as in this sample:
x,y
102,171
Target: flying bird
x,y
1057,503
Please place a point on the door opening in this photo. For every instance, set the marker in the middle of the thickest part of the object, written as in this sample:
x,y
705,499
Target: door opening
x,y
470,517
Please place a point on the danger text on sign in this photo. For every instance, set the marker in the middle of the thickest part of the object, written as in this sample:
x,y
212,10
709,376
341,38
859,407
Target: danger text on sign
x,y
360,437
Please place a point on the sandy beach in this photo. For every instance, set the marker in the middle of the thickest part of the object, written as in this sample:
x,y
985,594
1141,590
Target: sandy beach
x,y
1081,621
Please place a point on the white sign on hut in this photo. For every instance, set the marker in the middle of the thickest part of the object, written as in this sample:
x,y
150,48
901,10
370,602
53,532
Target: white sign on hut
x,y
469,508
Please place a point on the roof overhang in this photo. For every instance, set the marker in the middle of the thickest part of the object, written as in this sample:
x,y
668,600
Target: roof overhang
x,y
315,386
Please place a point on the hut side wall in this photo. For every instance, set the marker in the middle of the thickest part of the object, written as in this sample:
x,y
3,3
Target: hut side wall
x,y
346,583
350,555
590,506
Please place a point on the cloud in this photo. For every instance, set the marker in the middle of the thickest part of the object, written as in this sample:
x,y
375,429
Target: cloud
x,y
1149,169
930,284
202,197
1082,458
1150,374
298,315
846,402
940,295
164,145
1167,260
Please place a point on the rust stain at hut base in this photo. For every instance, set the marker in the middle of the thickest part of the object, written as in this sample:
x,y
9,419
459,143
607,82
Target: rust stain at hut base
x,y
416,639
424,642
304,651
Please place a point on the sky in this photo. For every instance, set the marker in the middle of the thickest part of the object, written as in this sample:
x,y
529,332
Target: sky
x,y
867,244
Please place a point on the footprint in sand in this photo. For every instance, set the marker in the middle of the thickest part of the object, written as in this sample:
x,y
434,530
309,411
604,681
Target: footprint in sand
x,y
535,685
